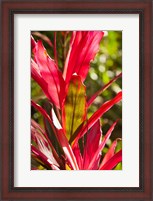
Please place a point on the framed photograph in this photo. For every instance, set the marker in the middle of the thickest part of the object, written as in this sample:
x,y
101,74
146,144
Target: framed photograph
x,y
76,100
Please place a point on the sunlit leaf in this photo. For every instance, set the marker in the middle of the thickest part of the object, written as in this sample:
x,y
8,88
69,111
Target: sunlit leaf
x,y
39,135
64,142
74,108
91,100
104,108
67,133
110,153
92,144
52,78
38,154
77,153
113,161
101,146
86,45
43,37
58,130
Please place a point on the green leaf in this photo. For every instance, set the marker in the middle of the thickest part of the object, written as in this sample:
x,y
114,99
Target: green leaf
x,y
74,108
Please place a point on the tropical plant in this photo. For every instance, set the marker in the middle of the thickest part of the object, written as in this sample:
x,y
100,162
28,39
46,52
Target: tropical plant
x,y
69,139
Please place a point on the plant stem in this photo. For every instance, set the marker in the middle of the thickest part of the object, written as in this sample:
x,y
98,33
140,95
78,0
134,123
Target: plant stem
x,y
55,49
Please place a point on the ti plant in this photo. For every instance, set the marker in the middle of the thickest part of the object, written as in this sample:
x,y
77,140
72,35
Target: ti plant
x,y
70,139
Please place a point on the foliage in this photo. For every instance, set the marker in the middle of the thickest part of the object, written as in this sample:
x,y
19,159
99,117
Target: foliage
x,y
67,107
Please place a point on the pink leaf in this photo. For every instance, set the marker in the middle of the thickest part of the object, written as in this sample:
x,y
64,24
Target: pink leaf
x,y
33,42
58,131
35,72
117,158
37,127
43,37
92,144
101,146
38,154
42,111
104,108
49,72
64,142
83,47
91,100
42,143
109,154
78,156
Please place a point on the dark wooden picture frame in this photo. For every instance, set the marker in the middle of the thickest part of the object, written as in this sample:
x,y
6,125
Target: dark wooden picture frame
x,y
8,10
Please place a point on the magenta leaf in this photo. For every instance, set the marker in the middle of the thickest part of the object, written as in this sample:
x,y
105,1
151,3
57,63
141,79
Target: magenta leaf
x,y
58,130
40,131
43,37
43,144
104,108
68,140
35,73
64,142
101,146
52,77
78,156
86,45
91,100
42,111
112,162
92,143
33,42
110,153
40,156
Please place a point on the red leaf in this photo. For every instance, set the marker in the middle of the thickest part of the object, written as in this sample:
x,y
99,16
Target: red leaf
x,y
78,156
83,47
42,111
64,142
35,72
91,100
101,146
38,154
59,134
117,158
109,154
92,144
33,42
49,72
42,143
43,37
37,127
104,108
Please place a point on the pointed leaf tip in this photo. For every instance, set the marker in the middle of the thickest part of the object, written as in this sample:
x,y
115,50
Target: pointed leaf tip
x,y
103,109
49,74
112,162
86,45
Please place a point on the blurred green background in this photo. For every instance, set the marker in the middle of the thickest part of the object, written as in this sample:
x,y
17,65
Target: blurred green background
x,y
106,65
